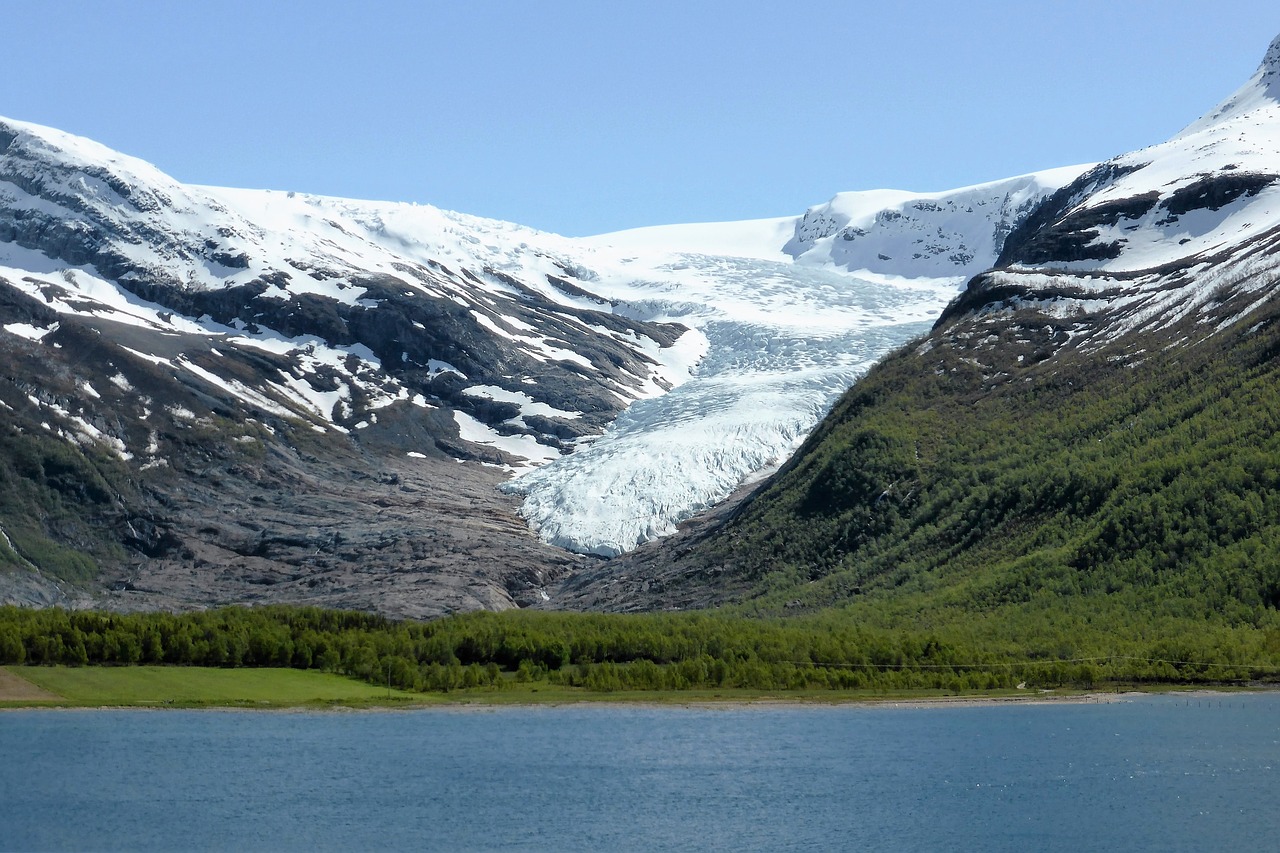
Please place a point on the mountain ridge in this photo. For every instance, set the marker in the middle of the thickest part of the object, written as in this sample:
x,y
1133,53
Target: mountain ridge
x,y
1084,428
402,340
415,338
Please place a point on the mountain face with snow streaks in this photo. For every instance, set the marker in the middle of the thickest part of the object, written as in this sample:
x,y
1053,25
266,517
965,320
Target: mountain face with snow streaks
x,y
212,353
279,393
341,288
1156,235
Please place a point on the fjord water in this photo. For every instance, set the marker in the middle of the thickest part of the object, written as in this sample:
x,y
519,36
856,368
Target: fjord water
x,y
1153,773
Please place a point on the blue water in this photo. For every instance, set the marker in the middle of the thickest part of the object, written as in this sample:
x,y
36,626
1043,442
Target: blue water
x,y
1158,773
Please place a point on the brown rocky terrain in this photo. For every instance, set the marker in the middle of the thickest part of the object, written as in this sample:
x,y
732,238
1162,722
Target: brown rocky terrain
x,y
415,538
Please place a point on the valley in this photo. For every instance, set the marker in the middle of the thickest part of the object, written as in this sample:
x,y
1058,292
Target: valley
x,y
1034,415
289,398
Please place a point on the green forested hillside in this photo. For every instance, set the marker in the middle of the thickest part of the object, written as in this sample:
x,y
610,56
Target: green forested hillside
x,y
1114,489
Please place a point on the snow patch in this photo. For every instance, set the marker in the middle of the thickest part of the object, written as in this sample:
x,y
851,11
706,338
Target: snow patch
x,y
521,446
528,405
30,332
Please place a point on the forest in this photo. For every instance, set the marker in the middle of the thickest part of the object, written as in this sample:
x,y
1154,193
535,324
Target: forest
x,y
597,652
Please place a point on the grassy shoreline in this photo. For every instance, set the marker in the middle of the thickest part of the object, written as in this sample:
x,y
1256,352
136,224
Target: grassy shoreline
x,y
197,688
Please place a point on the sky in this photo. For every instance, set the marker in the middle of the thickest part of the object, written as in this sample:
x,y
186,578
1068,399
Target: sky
x,y
587,117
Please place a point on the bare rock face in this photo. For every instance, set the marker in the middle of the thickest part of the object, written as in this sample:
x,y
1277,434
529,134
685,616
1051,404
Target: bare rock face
x,y
130,487
210,396
310,531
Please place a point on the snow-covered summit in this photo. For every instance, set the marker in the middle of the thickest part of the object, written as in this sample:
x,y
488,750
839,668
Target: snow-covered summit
x,y
1150,237
635,378
1205,190
1262,90
956,233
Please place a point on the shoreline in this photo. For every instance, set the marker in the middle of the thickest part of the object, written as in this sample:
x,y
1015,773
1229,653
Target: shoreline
x,y
763,703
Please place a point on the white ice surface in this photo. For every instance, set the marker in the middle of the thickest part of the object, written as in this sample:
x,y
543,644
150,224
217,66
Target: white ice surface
x,y
782,342
783,314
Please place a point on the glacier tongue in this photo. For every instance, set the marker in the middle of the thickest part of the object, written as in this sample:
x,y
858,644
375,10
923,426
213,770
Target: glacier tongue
x,y
784,341
793,312
520,345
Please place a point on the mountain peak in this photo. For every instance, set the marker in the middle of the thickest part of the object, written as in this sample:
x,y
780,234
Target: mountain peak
x,y
1262,91
1270,68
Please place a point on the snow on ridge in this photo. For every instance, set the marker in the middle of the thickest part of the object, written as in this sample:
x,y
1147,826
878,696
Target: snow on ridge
x,y
953,234
781,320
81,149
1211,187
1261,90
1184,230
761,239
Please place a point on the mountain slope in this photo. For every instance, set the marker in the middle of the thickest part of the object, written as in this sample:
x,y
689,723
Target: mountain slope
x,y
1089,427
258,379
207,355
1156,235
318,281
789,325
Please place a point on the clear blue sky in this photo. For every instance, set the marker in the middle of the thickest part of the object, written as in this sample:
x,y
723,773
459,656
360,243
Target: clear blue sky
x,y
585,117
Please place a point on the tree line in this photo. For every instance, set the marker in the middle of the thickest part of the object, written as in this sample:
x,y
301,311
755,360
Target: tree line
x,y
600,652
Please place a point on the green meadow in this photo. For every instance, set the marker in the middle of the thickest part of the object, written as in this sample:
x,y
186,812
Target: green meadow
x,y
277,688
188,686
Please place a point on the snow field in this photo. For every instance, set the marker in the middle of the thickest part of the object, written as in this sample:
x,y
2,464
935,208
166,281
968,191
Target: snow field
x,y
782,314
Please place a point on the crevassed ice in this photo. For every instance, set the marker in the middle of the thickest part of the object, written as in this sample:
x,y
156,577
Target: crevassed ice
x,y
784,342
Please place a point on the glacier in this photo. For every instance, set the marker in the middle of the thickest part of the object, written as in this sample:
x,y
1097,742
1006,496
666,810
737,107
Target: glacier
x,y
767,379
613,426
792,314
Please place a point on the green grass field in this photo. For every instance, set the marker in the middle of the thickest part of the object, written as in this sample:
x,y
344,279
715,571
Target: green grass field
x,y
196,687
185,686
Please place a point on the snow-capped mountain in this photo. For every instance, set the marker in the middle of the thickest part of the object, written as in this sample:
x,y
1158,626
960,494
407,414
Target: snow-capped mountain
x,y
380,303
627,381
1186,228
793,314
1149,271
894,233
